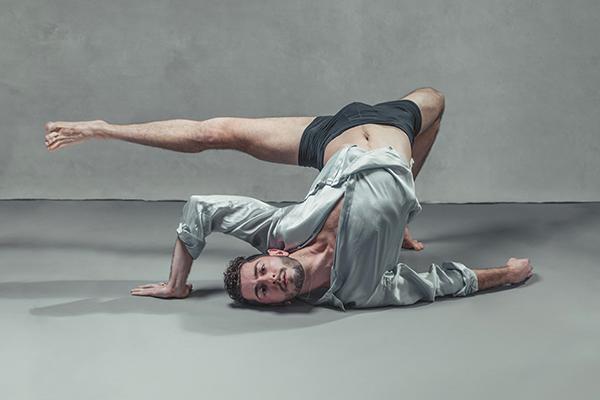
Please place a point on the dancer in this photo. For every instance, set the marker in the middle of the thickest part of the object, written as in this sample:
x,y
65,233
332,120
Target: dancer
x,y
340,245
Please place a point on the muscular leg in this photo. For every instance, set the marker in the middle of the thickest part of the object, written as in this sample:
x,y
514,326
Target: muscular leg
x,y
431,102
270,139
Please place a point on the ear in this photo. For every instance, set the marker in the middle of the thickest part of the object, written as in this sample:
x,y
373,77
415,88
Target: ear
x,y
277,252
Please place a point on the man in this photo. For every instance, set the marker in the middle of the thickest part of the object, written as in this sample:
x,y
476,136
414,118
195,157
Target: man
x,y
339,246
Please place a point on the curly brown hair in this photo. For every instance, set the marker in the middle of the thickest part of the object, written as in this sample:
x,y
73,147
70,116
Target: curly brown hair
x,y
231,278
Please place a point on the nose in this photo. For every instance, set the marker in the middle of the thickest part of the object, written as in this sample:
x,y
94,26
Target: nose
x,y
271,278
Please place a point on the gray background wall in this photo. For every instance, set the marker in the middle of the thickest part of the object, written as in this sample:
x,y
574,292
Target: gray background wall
x,y
521,78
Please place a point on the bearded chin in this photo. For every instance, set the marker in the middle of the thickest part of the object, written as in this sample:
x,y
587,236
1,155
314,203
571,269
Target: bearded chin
x,y
298,276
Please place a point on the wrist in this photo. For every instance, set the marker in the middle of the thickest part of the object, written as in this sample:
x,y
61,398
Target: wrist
x,y
175,287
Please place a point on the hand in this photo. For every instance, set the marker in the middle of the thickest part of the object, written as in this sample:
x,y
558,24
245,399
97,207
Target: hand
x,y
162,290
519,269
410,243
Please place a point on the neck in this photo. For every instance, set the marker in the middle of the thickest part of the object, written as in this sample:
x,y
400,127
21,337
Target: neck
x,y
316,260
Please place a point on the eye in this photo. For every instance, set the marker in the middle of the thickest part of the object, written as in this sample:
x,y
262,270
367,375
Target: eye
x,y
263,269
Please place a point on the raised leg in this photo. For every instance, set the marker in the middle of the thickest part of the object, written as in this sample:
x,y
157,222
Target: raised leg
x,y
270,139
274,139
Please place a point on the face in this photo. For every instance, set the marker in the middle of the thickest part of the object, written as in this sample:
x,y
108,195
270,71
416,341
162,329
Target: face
x,y
268,280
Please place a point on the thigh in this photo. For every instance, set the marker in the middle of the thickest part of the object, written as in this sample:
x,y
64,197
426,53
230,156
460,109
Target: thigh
x,y
431,104
274,139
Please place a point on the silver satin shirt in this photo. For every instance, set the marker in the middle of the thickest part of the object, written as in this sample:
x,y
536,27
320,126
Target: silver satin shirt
x,y
379,201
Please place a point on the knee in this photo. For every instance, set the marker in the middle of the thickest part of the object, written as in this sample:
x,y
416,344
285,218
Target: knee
x,y
215,133
434,98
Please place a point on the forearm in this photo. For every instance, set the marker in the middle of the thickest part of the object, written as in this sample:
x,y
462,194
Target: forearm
x,y
181,265
492,277
181,135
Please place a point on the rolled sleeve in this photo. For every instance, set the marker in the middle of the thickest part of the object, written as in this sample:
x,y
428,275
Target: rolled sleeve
x,y
401,285
243,217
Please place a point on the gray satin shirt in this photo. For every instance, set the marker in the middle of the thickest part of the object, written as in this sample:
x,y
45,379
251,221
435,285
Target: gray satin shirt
x,y
379,201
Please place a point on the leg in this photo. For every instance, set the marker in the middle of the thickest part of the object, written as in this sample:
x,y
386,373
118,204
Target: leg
x,y
269,139
274,139
431,103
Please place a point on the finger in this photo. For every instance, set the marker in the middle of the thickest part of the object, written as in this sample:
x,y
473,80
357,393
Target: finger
x,y
148,286
142,292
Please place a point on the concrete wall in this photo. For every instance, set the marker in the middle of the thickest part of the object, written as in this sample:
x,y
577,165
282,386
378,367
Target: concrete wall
x,y
521,78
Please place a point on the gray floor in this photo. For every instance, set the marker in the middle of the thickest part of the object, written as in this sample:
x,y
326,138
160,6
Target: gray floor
x,y
70,329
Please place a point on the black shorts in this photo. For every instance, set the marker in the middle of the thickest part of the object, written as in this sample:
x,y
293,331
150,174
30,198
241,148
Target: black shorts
x,y
403,114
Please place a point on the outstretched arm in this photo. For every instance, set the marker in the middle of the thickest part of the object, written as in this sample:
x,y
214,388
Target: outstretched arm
x,y
401,285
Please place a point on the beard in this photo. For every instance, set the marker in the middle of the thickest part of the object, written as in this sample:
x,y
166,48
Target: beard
x,y
299,276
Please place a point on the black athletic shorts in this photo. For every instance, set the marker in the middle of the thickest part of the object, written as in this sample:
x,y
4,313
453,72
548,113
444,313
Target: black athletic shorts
x,y
403,114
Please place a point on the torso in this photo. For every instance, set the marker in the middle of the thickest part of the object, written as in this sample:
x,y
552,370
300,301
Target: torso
x,y
369,137
323,245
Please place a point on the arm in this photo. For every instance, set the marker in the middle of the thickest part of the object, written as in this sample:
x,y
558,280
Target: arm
x,y
401,285
243,217
246,218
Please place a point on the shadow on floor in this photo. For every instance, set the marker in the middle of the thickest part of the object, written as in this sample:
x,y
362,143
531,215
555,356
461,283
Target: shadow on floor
x,y
207,310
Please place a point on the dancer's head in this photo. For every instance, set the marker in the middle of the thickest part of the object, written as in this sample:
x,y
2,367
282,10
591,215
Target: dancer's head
x,y
272,278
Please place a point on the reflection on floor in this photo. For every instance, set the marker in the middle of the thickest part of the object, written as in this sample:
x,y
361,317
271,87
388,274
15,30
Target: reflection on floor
x,y
70,328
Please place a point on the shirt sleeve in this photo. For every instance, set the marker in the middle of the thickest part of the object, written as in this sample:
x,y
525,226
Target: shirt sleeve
x,y
246,218
401,285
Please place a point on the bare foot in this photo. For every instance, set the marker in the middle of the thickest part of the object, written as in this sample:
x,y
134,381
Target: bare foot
x,y
519,269
60,134
409,243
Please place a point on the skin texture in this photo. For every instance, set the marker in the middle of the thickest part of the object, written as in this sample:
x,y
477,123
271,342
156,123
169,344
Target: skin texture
x,y
275,139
